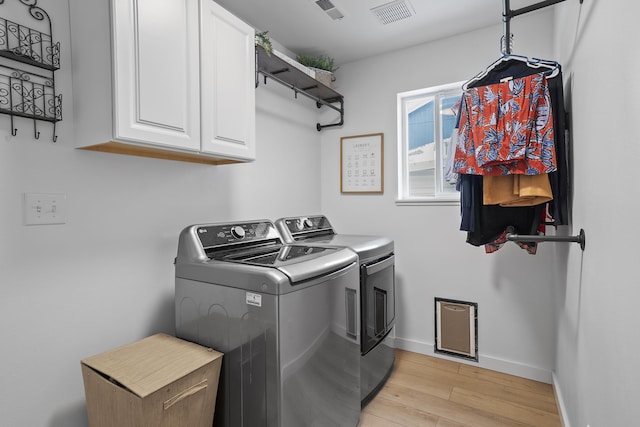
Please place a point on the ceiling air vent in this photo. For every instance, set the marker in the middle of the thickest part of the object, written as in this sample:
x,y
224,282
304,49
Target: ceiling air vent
x,y
330,9
394,11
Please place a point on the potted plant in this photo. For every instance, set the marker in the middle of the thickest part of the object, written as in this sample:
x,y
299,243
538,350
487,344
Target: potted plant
x,y
263,41
324,67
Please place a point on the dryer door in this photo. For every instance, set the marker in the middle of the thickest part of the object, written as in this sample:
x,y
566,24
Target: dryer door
x,y
378,301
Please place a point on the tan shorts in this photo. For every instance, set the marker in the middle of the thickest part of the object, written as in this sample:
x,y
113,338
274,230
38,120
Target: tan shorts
x,y
516,190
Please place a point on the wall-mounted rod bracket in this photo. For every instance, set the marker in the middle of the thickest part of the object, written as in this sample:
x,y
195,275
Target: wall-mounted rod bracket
x,y
507,14
281,71
329,103
319,101
580,238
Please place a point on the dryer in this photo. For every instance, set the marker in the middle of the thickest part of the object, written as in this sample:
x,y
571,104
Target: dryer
x,y
377,292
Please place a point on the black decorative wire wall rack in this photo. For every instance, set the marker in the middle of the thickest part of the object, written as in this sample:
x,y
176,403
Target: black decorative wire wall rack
x,y
29,91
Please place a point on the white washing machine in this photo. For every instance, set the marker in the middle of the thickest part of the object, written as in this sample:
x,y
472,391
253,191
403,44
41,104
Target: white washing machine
x,y
377,292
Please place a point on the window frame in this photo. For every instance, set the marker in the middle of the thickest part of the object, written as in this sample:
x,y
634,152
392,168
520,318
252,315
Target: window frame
x,y
403,196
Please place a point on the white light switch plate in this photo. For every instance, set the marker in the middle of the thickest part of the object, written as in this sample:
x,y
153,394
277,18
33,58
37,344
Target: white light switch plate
x,y
42,208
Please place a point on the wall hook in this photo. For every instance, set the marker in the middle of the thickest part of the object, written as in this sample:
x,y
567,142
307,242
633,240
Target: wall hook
x,y
36,132
14,131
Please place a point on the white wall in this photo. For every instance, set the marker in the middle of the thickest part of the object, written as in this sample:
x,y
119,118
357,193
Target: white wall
x,y
514,290
105,278
598,338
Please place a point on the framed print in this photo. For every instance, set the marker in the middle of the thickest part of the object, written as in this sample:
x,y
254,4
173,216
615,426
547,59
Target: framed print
x,y
361,163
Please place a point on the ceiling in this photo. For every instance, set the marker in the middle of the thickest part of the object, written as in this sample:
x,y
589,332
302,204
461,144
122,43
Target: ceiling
x,y
302,26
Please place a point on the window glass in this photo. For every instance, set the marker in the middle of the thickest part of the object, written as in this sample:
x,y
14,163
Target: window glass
x,y
426,119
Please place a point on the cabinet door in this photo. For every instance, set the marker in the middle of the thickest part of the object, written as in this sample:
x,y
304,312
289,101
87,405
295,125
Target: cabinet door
x,y
227,83
156,72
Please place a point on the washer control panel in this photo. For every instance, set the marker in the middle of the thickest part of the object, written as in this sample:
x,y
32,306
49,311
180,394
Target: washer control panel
x,y
217,235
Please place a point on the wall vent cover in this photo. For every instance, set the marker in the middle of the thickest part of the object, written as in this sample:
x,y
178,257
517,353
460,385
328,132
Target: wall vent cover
x,y
394,11
456,328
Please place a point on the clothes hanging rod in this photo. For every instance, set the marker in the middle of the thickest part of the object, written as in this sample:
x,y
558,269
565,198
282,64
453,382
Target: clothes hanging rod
x,y
319,101
507,14
531,8
580,238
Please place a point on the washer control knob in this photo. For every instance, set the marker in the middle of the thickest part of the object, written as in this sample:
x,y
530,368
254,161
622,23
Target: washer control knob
x,y
300,224
308,223
237,232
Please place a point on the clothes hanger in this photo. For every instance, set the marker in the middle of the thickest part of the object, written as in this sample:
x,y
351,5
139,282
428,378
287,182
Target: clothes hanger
x,y
548,67
551,68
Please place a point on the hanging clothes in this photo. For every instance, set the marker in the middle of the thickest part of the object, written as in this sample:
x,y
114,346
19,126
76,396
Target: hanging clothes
x,y
516,67
450,176
486,224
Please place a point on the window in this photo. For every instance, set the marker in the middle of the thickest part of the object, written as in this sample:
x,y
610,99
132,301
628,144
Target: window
x,y
426,121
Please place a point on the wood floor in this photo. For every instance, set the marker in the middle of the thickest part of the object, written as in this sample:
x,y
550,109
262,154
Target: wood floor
x,y
433,392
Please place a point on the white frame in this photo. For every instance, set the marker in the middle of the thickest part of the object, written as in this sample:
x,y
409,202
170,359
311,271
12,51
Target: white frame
x,y
403,196
473,329
354,146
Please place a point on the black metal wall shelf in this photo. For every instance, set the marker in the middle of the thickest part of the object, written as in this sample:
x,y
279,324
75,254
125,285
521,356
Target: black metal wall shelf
x,y
23,92
29,46
301,83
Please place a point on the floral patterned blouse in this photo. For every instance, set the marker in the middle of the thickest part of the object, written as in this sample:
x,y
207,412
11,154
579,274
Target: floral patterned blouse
x,y
506,128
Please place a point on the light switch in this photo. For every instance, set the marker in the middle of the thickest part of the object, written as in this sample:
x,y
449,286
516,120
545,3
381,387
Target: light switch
x,y
42,208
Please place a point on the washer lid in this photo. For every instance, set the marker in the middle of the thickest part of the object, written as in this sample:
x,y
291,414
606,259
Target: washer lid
x,y
298,262
275,255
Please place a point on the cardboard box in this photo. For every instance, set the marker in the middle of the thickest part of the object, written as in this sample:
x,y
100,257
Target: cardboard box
x,y
160,381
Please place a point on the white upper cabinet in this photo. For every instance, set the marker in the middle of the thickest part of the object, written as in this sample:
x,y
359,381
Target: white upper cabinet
x,y
163,78
155,61
227,68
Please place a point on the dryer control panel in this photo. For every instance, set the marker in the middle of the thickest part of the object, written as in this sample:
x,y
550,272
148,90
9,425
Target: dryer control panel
x,y
306,226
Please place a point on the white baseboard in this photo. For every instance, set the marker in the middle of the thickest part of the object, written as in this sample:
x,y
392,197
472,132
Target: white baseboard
x,y
484,361
562,409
